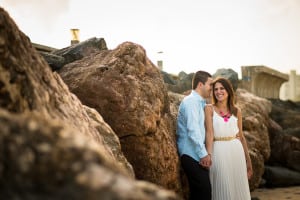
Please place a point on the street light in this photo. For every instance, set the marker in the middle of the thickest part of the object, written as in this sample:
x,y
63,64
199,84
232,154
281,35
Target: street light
x,y
74,35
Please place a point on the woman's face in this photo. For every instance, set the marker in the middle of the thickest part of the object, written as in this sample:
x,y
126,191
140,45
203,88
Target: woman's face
x,y
220,92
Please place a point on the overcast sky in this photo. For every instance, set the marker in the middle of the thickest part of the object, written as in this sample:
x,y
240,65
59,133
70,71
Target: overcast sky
x,y
192,34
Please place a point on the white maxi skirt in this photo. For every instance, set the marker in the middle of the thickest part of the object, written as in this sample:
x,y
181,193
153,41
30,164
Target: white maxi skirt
x,y
228,173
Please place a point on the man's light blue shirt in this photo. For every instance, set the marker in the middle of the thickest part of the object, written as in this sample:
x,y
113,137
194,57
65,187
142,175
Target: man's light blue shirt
x,y
190,126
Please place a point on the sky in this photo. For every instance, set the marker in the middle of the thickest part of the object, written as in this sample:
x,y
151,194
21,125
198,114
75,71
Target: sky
x,y
187,35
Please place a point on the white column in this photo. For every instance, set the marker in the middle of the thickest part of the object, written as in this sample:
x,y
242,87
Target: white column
x,y
160,60
292,81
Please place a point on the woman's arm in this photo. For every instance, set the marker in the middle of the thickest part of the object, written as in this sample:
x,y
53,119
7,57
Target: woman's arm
x,y
209,132
244,143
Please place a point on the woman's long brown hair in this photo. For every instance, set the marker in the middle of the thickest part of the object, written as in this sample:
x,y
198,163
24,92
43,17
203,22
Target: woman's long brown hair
x,y
231,96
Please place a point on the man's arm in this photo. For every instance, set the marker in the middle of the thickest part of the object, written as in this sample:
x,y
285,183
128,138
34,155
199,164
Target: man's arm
x,y
194,121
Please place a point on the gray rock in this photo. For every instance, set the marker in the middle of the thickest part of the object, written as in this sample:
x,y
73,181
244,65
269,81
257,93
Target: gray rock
x,y
55,62
229,74
82,49
281,177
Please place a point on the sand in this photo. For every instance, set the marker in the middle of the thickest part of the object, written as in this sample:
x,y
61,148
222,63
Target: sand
x,y
290,193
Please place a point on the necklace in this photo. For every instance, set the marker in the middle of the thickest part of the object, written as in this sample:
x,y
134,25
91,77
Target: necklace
x,y
225,116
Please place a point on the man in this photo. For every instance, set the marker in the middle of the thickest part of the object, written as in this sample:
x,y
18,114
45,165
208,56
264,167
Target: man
x,y
191,137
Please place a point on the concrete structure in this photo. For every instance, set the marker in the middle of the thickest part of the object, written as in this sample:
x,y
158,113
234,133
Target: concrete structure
x,y
262,81
291,89
42,48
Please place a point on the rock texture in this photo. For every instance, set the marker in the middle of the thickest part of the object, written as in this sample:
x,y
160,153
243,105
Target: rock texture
x,y
180,85
80,50
281,177
128,91
51,146
110,139
28,84
229,74
255,120
255,111
285,150
284,111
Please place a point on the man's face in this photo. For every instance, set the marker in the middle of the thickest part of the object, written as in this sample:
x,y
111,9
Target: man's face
x,y
207,88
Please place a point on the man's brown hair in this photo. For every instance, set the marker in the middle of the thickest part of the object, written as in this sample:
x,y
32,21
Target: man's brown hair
x,y
200,76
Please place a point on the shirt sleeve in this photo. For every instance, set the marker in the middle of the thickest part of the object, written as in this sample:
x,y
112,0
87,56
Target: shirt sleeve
x,y
195,128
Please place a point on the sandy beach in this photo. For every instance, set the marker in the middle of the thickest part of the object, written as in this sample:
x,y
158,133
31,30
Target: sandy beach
x,y
290,193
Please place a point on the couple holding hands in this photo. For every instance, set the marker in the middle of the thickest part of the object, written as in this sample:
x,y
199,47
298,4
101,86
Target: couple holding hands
x,y
210,140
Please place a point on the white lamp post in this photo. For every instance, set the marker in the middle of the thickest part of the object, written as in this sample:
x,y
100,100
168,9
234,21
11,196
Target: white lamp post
x,y
160,60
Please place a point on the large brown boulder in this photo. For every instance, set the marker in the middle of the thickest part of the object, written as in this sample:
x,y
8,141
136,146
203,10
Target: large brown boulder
x,y
128,91
51,146
110,139
255,111
285,148
285,134
286,113
28,84
41,158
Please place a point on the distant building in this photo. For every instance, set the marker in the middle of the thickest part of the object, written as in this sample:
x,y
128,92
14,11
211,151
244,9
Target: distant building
x,y
291,90
262,81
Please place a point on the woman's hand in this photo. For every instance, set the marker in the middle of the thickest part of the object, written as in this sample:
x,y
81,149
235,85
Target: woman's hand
x,y
249,169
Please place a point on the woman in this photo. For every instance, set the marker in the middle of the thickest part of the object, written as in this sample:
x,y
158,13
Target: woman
x,y
225,142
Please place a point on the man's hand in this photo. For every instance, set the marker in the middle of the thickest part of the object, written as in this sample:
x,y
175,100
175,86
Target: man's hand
x,y
206,161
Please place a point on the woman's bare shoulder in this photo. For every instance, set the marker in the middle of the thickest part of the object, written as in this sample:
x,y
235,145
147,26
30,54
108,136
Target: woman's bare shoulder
x,y
238,110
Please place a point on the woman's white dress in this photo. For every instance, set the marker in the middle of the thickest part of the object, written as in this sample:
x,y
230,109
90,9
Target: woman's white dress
x,y
228,173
